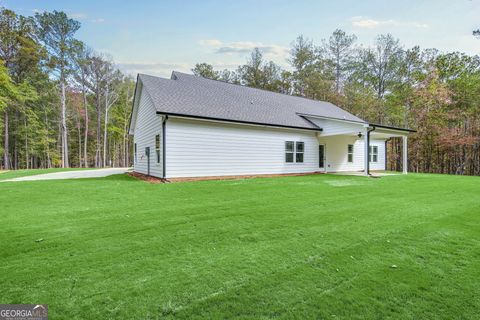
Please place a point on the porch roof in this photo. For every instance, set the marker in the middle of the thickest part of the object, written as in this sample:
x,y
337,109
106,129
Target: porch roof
x,y
354,128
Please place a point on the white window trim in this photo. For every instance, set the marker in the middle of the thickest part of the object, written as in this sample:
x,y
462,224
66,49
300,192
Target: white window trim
x,y
289,152
350,153
371,154
302,152
294,152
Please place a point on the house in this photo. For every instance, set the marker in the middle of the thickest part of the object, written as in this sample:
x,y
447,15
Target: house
x,y
188,126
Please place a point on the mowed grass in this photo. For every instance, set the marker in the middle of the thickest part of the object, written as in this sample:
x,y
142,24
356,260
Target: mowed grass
x,y
311,247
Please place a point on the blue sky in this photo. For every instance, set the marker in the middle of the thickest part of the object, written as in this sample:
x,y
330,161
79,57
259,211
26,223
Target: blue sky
x,y
156,37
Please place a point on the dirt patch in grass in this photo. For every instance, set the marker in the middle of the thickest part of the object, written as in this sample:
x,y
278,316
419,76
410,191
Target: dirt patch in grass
x,y
149,179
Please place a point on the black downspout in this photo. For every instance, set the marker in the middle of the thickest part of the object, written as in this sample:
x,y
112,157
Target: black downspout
x,y
164,154
386,156
368,148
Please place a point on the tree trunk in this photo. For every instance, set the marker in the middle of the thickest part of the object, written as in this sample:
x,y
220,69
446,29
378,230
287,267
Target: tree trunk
x,y
47,145
85,139
26,144
105,129
99,128
65,163
15,147
79,144
6,160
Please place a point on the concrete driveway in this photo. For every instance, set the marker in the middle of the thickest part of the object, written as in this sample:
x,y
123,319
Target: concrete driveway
x,y
80,174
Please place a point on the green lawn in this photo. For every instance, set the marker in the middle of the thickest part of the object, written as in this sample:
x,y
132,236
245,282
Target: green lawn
x,y
311,247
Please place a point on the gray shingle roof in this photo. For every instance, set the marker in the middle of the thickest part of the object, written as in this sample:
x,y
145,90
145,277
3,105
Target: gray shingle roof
x,y
190,95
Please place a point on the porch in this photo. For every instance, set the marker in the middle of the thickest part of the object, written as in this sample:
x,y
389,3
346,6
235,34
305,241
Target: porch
x,y
357,148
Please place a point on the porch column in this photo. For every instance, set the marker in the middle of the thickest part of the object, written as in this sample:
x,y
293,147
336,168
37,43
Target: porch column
x,y
405,154
366,156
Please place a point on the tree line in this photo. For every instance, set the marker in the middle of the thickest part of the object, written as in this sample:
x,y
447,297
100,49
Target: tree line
x,y
61,103
433,92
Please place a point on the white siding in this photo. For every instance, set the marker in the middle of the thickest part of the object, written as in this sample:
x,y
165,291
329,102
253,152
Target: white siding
x,y
337,159
203,148
335,127
147,125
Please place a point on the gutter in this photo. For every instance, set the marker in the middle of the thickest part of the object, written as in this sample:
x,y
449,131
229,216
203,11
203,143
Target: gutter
x,y
164,143
186,116
391,127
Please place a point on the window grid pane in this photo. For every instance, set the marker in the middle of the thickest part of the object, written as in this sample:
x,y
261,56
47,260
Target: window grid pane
x,y
300,146
289,146
289,157
299,157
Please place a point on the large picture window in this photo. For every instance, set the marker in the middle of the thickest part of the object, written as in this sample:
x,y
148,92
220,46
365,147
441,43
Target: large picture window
x,y
350,153
294,151
373,153
157,147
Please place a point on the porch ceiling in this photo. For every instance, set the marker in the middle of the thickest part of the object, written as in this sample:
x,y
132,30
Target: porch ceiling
x,y
378,133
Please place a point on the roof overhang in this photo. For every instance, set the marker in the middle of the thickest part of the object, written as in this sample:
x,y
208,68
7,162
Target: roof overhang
x,y
135,103
187,116
378,127
330,118
381,127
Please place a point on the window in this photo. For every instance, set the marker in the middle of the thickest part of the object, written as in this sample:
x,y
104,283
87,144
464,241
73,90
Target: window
x,y
300,150
289,150
373,150
350,153
135,157
294,151
157,147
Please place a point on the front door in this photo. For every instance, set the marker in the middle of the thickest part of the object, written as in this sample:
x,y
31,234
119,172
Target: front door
x,y
321,156
147,154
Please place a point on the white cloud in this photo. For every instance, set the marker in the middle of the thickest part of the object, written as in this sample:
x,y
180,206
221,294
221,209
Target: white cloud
x,y
271,51
367,23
